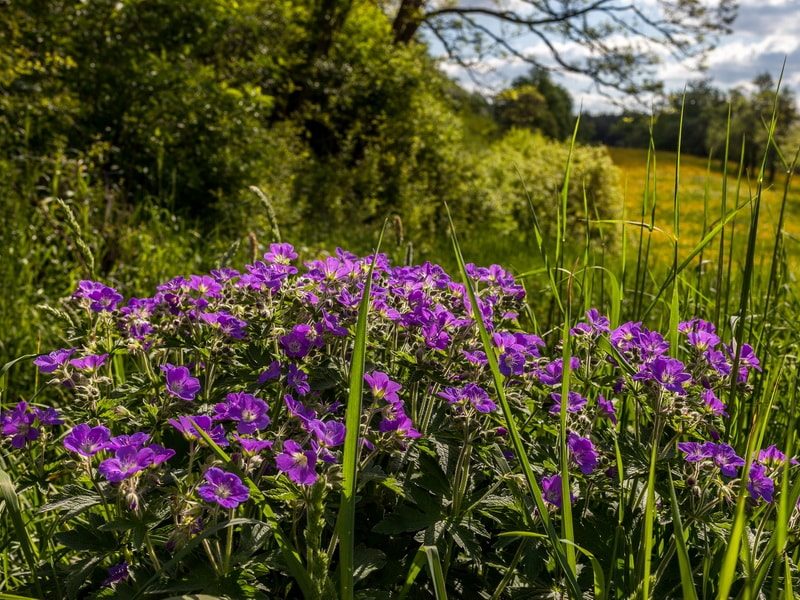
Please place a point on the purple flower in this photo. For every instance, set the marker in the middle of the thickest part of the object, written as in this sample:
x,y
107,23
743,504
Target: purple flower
x,y
18,425
747,360
48,363
253,445
116,573
759,485
607,408
138,439
382,387
227,323
249,412
273,371
298,464
713,403
772,456
624,337
551,489
207,286
127,461
297,379
297,343
223,488
472,393
401,425
553,372
512,363
90,362
727,460
668,372
298,409
703,340
185,426
86,440
180,383
281,254
583,452
101,297
160,454
328,434
695,451
575,402
48,416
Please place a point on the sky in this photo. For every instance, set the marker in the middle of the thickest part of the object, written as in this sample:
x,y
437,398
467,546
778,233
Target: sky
x,y
765,31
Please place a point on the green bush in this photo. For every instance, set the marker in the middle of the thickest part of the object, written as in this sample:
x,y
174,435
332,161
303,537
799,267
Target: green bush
x,y
523,163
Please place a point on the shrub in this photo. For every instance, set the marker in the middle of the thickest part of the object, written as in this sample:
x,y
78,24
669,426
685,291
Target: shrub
x,y
192,440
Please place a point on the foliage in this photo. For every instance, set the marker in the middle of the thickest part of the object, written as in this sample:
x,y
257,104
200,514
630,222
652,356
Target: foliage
x,y
594,181
535,101
205,427
705,131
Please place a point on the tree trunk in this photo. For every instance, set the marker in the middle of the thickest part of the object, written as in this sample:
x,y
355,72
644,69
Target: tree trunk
x,y
407,21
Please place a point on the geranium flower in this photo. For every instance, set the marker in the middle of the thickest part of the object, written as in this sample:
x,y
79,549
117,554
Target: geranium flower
x,y
17,424
187,428
382,387
101,297
127,461
223,488
86,440
297,343
298,464
180,382
48,363
583,452
575,402
90,362
759,485
249,412
551,489
116,573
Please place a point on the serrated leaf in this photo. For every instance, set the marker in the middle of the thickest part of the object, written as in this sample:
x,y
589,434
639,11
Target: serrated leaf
x,y
367,561
73,502
406,519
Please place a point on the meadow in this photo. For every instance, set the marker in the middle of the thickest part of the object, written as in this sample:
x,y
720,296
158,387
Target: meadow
x,y
350,426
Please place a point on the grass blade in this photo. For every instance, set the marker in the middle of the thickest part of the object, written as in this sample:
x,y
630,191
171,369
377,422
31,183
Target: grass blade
x,y
8,494
685,565
437,575
516,441
347,508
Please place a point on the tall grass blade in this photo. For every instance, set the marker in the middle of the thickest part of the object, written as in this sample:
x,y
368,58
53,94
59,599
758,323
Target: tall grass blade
x,y
600,589
8,494
684,564
510,423
347,510
437,574
723,210
567,528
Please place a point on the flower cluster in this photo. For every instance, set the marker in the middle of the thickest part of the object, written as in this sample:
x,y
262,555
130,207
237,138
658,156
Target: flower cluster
x,y
226,385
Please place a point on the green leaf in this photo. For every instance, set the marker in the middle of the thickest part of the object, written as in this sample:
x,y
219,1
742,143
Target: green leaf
x,y
406,518
366,561
685,565
8,494
437,574
347,510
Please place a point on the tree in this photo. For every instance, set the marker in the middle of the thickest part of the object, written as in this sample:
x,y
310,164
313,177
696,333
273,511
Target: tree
x,y
620,42
751,111
535,101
